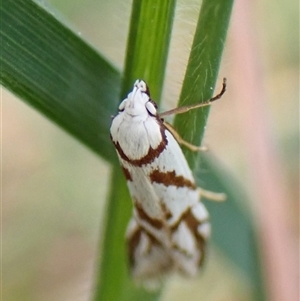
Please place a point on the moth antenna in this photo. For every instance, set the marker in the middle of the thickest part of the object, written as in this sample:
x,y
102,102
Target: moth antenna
x,y
185,109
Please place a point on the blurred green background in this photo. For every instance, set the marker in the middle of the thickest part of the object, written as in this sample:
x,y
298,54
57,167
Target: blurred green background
x,y
54,188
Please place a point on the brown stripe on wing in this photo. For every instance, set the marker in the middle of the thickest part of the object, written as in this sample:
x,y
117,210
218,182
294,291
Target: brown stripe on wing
x,y
192,223
134,239
166,211
132,243
152,153
147,261
154,222
170,178
127,174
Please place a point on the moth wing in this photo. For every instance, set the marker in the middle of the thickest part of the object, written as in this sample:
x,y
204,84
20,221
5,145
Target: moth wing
x,y
189,240
166,180
148,258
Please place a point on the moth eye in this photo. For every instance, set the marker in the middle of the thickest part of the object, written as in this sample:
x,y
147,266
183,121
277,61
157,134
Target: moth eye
x,y
142,86
151,108
122,105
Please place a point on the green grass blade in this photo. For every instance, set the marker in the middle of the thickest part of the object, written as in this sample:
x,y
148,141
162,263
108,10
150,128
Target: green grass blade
x,y
202,69
55,71
233,231
150,31
148,45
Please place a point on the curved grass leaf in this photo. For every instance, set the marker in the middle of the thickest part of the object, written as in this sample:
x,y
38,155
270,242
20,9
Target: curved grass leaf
x,y
55,71
233,231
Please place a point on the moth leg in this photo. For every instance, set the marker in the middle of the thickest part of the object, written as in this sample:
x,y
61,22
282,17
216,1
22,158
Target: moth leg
x,y
181,141
213,196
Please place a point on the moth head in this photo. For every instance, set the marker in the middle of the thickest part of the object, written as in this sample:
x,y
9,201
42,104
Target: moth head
x,y
138,101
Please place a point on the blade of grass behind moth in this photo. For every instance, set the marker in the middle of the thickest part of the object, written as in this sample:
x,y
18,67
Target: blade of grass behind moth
x,y
202,70
198,86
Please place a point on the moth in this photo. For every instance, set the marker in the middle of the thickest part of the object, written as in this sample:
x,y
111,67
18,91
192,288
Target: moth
x,y
169,227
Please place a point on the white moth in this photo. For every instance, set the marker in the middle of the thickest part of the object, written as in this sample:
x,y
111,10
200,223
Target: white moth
x,y
170,226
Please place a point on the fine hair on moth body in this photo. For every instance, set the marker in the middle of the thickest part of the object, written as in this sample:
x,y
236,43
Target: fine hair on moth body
x,y
169,227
